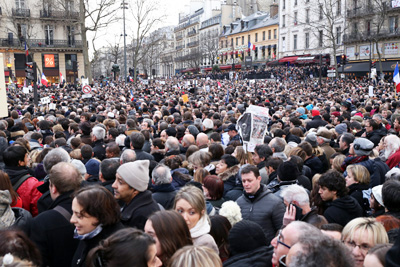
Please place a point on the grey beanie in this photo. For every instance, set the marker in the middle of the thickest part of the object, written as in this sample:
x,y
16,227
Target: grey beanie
x,y
136,174
312,139
341,128
362,146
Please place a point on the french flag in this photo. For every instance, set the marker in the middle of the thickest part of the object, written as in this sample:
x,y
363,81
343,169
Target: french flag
x,y
26,50
252,46
43,80
396,77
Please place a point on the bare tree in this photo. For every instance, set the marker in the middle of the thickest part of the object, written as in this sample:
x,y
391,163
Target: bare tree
x,y
93,18
381,9
209,46
194,58
144,13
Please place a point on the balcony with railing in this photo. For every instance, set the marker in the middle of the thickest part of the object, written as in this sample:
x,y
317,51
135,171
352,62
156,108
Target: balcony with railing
x,y
193,44
40,43
191,33
179,47
360,12
52,14
179,37
366,36
21,12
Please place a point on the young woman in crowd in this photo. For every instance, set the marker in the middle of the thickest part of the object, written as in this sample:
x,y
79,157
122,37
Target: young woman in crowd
x,y
213,188
357,180
170,232
199,256
190,203
126,247
94,220
227,169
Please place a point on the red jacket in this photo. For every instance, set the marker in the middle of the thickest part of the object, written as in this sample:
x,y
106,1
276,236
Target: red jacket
x,y
30,195
394,159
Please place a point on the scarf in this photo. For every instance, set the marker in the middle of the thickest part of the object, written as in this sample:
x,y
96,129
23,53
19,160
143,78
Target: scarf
x,y
202,227
352,160
7,217
90,235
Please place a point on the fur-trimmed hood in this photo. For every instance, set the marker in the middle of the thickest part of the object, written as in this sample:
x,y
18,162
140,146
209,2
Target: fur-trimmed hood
x,y
229,172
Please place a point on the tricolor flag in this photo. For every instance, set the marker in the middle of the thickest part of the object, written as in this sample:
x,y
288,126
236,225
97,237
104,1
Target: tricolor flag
x,y
26,50
43,80
130,79
396,77
131,95
252,46
61,78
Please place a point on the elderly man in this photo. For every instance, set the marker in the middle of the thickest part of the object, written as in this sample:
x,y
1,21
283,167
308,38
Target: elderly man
x,y
187,141
202,142
130,186
99,148
128,155
277,145
163,192
392,150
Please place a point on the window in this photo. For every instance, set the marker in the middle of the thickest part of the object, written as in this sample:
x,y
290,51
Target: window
x,y
338,7
248,38
307,38
68,61
269,35
283,21
338,35
393,24
22,29
275,32
283,44
256,37
222,44
49,34
295,18
226,43
263,35
295,42
295,2
71,35
69,6
284,4
321,12
320,38
19,4
355,28
231,41
368,27
242,40
307,16
237,41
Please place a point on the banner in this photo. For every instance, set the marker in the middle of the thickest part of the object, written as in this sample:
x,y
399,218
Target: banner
x,y
365,50
253,125
391,48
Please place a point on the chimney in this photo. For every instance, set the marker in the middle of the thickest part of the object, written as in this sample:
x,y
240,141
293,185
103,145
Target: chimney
x,y
273,10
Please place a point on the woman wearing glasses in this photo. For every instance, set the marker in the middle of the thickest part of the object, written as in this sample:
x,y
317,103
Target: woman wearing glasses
x,y
360,235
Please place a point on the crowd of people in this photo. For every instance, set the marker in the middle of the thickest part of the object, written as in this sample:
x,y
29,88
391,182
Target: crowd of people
x,y
158,174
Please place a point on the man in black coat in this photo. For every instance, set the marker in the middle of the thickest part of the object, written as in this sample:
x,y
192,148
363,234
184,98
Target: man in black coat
x,y
341,208
130,186
163,191
316,120
51,230
137,142
99,148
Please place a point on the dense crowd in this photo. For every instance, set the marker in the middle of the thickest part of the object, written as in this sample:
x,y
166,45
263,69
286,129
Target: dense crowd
x,y
158,174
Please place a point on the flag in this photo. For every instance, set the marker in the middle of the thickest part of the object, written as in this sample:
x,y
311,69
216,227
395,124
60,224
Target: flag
x,y
61,78
26,50
130,79
43,80
219,85
396,77
252,46
227,97
131,95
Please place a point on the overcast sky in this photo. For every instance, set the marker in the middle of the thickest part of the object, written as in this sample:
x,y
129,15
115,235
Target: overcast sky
x,y
114,33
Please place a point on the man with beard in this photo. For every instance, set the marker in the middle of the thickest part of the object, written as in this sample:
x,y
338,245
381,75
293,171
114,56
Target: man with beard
x,y
392,150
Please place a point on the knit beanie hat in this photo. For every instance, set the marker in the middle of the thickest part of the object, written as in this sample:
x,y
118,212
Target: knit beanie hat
x,y
301,110
312,139
246,236
92,167
363,146
341,128
315,112
193,130
136,174
7,217
288,171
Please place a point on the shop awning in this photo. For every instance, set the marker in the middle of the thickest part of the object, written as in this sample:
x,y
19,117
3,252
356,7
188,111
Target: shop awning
x,y
189,70
305,60
273,63
291,60
207,69
355,67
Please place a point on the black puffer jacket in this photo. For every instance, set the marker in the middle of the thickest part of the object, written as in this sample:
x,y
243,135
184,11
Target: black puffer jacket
x,y
343,210
260,257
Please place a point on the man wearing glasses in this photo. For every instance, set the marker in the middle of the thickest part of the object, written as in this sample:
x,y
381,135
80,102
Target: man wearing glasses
x,y
289,236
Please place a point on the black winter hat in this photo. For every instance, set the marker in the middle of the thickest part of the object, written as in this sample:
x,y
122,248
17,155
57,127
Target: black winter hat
x,y
246,236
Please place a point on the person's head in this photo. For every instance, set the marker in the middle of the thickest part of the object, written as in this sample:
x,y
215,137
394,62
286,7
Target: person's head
x,y
213,187
87,152
202,139
391,145
345,140
360,235
199,256
172,144
288,171
251,178
19,245
112,150
64,177
261,153
128,155
288,236
108,169
277,144
199,159
332,185
118,248
361,147
15,156
320,250
216,150
170,231
307,148
295,194
391,196
220,227
371,125
226,162
137,140
357,174
337,162
333,230
131,179
98,133
87,214
161,175
376,256
191,204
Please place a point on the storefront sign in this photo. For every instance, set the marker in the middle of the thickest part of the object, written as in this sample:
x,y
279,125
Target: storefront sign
x,y
49,61
391,48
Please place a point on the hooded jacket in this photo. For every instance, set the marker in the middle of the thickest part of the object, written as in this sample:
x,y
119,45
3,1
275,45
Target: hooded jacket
x,y
342,210
375,136
229,178
260,257
180,177
28,190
